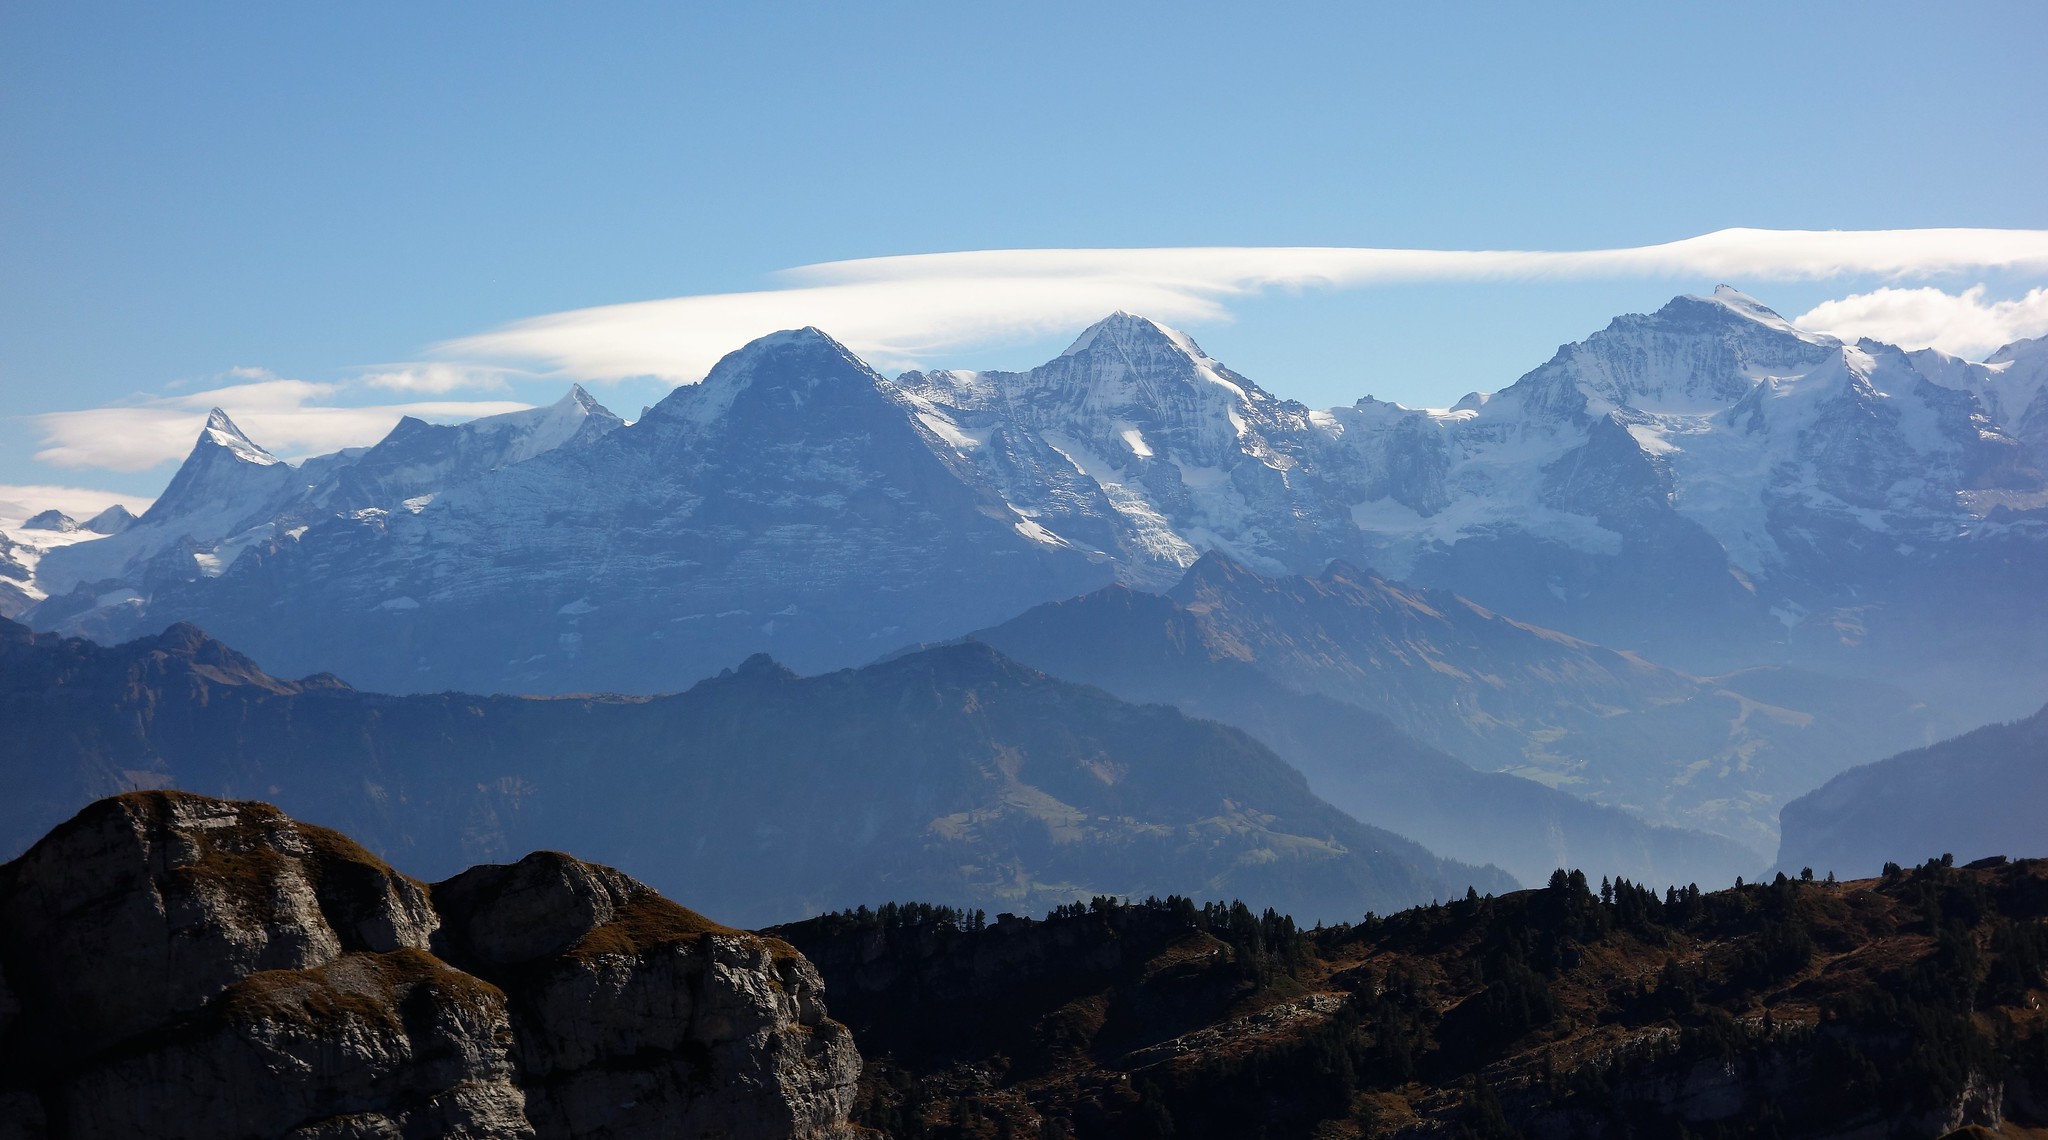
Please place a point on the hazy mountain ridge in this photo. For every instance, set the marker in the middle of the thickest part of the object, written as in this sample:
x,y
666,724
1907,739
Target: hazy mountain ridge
x,y
1978,794
1145,648
952,773
1716,754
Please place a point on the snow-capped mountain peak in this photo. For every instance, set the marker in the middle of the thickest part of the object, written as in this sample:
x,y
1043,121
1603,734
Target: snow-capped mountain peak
x,y
522,435
220,431
1744,305
1126,331
789,363
1695,356
225,470
2017,377
1709,451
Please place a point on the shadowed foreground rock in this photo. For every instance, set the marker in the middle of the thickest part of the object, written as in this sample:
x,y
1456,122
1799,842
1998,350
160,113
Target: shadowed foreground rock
x,y
178,966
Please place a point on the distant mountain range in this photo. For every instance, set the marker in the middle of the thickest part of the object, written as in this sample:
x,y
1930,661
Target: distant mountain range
x,y
1706,484
1364,685
952,774
1694,566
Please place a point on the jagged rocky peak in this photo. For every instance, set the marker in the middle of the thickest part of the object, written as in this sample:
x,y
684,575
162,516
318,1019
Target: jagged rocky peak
x,y
181,966
220,431
227,473
576,416
1213,571
1128,394
1123,348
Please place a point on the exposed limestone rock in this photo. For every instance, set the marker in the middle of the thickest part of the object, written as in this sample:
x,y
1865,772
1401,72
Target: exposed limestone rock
x,y
176,966
637,1017
145,907
392,1044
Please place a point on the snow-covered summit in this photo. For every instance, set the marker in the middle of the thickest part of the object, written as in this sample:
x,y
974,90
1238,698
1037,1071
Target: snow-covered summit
x,y
221,432
1744,305
784,365
1126,332
225,473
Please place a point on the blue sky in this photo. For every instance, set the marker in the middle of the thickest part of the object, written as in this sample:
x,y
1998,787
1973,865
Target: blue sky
x,y
324,193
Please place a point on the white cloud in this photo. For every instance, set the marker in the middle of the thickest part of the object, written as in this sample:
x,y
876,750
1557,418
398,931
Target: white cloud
x,y
19,501
437,378
1965,323
900,310
292,418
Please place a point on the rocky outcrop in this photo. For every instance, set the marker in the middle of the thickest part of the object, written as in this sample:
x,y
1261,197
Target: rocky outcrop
x,y
173,965
636,1017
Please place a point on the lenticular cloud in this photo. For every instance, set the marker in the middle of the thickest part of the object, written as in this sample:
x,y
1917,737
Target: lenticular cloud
x,y
895,310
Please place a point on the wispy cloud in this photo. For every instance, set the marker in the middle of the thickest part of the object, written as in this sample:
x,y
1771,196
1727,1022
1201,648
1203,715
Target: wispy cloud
x,y
1966,323
292,418
905,311
902,310
438,378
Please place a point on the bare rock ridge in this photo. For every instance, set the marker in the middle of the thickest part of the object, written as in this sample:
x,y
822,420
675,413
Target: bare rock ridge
x,y
178,966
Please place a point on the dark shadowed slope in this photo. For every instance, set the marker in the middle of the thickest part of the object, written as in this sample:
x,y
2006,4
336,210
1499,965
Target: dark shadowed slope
x,y
1982,793
954,774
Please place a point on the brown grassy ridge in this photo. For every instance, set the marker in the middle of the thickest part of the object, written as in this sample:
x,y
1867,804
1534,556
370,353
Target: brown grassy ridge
x,y
1872,999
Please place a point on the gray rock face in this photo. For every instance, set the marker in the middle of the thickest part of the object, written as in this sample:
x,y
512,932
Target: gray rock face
x,y
177,966
636,1017
174,898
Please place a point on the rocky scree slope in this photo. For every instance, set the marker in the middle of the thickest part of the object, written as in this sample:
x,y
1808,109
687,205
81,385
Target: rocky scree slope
x,y
178,966
953,773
